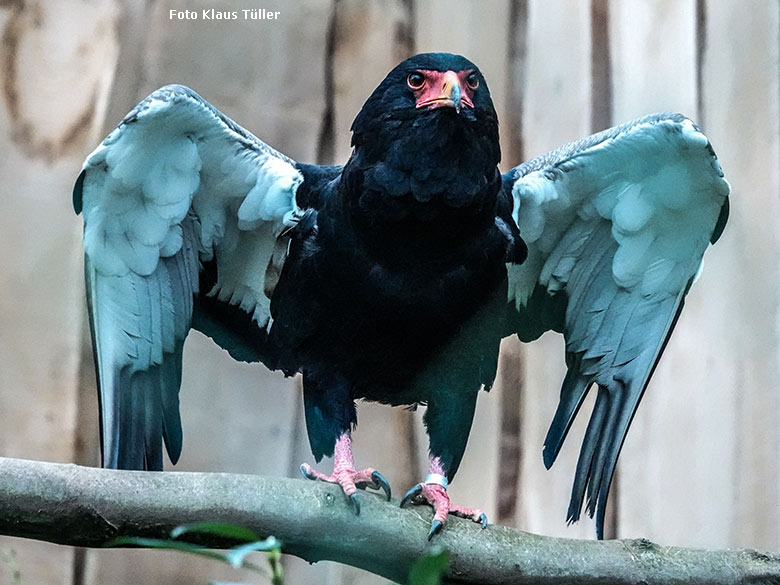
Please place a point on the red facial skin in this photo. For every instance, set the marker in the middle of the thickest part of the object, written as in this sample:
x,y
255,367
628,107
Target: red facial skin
x,y
438,87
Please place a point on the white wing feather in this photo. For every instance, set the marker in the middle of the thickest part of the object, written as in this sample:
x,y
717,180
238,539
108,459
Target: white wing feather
x,y
616,225
176,182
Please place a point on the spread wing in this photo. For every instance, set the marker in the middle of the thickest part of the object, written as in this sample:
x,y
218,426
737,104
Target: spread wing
x,y
616,225
174,187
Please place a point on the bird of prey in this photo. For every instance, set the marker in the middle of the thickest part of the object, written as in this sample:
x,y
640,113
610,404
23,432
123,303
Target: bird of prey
x,y
394,277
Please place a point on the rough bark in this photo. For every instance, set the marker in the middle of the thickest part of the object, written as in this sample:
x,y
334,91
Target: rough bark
x,y
83,506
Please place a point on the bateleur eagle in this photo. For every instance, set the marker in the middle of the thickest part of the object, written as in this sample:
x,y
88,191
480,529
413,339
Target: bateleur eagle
x,y
392,278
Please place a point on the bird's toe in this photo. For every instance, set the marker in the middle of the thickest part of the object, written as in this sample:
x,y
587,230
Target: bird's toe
x,y
436,496
350,481
413,493
436,527
354,499
380,482
473,514
309,473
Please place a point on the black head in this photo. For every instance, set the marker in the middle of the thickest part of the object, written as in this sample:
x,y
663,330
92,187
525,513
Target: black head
x,y
426,87
426,140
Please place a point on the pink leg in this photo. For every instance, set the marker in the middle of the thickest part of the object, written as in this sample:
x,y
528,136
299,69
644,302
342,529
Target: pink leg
x,y
346,475
433,491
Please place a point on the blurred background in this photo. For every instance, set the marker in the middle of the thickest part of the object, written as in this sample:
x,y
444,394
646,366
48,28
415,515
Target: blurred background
x,y
701,465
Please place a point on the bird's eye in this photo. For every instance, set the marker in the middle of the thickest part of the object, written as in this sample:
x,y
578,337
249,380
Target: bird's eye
x,y
415,80
472,80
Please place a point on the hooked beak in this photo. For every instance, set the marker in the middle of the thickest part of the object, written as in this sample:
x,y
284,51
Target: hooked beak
x,y
447,94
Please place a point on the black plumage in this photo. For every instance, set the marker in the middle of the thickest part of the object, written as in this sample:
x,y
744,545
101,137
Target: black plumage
x,y
402,247
394,277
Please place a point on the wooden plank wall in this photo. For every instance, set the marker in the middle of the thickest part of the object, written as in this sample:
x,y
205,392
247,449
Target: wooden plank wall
x,y
701,465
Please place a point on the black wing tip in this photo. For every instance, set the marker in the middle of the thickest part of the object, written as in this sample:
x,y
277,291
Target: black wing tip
x,y
78,192
574,513
573,392
720,225
550,452
174,452
135,460
601,514
559,429
172,435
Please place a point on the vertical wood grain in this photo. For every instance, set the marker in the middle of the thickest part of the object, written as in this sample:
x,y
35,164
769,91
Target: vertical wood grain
x,y
677,474
556,110
509,390
701,465
477,30
267,76
509,387
369,42
739,286
57,63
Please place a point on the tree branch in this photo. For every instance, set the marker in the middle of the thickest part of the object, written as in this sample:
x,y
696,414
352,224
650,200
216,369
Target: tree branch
x,y
84,506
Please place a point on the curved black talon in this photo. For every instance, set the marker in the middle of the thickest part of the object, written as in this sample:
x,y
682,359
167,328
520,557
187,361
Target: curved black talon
x,y
355,500
483,521
436,527
381,483
413,492
304,473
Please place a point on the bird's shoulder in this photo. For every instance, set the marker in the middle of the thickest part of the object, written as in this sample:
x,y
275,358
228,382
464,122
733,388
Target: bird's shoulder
x,y
319,183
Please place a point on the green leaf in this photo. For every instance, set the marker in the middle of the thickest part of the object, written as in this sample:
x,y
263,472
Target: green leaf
x,y
186,547
222,529
157,543
429,568
237,555
274,558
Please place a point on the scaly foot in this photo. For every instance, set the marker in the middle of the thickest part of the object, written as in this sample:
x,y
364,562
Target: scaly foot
x,y
435,494
345,474
350,480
